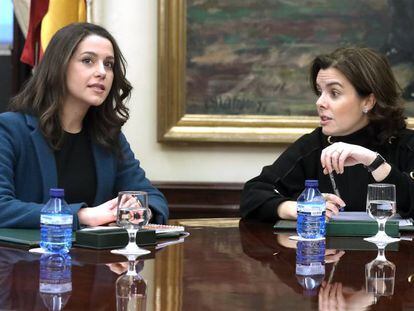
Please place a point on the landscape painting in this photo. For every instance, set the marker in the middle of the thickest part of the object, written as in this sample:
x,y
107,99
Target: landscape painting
x,y
249,57
236,71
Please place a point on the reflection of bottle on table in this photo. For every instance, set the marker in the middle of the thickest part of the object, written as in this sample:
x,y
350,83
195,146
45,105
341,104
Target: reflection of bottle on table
x,y
310,265
55,281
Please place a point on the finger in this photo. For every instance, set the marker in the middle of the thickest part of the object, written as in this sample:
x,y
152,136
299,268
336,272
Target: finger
x,y
335,159
331,297
329,197
325,159
328,161
328,215
342,159
326,292
334,257
322,300
330,251
332,208
340,296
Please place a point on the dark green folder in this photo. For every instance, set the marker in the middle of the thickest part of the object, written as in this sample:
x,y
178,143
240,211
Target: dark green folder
x,y
29,237
105,239
98,239
347,228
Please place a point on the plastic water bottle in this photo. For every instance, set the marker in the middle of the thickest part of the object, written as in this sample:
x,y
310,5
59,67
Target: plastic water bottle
x,y
56,224
310,265
55,280
311,212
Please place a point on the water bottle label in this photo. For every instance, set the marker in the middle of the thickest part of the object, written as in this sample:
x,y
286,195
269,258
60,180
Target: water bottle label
x,y
57,219
313,269
312,210
55,288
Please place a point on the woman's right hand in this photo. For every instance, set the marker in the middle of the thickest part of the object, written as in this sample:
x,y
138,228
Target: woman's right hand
x,y
333,204
287,209
99,215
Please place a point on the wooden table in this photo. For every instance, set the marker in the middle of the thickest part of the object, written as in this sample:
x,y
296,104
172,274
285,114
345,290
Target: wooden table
x,y
224,264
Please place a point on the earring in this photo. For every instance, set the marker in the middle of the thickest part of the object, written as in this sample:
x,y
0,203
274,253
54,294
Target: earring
x,y
365,110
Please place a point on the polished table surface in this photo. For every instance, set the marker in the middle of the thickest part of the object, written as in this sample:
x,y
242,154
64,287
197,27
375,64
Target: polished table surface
x,y
224,264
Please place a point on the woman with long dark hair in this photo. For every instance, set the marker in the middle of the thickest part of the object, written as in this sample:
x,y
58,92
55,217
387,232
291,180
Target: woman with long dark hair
x,y
64,130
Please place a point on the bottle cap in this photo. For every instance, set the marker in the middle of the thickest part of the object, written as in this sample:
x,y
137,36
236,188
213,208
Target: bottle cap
x,y
311,183
57,192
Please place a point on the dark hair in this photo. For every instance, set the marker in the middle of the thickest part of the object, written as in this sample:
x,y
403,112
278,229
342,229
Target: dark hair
x,y
370,73
45,91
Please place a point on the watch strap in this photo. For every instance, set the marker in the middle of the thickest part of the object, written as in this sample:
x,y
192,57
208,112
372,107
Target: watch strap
x,y
379,160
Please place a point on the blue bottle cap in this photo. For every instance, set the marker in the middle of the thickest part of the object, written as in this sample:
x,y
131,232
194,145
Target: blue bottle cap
x,y
57,192
311,183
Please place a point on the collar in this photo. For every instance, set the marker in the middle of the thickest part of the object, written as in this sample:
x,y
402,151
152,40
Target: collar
x,y
361,137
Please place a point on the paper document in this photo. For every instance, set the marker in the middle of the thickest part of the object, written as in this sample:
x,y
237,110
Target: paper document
x,y
363,216
159,229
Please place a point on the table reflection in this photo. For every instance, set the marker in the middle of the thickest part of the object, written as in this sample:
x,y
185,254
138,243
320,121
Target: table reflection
x,y
130,287
380,275
12,263
335,277
55,280
310,265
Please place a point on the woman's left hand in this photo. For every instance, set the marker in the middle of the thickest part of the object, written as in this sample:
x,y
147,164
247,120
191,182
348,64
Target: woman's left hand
x,y
338,155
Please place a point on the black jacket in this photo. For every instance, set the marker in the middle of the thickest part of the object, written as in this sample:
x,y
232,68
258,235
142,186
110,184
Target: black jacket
x,y
284,179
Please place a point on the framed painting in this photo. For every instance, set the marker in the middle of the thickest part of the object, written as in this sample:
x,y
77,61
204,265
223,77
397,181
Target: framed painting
x,y
237,70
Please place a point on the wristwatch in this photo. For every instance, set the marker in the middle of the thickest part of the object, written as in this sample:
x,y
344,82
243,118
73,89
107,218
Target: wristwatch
x,y
379,160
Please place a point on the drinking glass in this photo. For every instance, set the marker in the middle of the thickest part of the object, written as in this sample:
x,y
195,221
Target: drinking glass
x,y
132,214
131,288
380,275
381,205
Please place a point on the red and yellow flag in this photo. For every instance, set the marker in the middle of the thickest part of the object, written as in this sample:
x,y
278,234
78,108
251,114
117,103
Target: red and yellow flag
x,y
47,17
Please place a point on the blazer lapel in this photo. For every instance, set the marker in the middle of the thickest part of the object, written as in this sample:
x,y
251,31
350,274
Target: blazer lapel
x,y
45,156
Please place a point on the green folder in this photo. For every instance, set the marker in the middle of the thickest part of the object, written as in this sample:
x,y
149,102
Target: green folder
x,y
347,228
106,239
29,237
98,239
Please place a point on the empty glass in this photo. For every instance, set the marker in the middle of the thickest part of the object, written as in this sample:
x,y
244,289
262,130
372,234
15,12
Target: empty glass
x,y
381,205
132,214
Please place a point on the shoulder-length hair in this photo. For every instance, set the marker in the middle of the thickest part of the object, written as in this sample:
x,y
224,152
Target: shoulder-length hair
x,y
370,73
45,91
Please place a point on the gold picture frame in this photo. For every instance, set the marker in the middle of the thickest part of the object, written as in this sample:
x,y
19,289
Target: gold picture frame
x,y
175,125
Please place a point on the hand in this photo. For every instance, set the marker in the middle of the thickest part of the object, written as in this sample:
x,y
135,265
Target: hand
x,y
118,267
333,255
338,155
99,215
336,297
333,204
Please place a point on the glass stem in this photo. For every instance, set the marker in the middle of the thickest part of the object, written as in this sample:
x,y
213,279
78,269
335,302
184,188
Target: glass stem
x,y
381,226
131,268
381,254
132,236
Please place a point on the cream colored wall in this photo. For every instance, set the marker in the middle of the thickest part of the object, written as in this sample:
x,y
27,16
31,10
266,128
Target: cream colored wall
x,y
134,25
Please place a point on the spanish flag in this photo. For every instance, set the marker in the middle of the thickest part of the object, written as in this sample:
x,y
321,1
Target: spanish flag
x,y
47,17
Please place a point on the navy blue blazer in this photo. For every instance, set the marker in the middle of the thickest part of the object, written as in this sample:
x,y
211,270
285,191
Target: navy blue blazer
x,y
28,171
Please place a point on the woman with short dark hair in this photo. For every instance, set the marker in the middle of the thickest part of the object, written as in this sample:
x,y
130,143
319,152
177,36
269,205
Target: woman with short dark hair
x,y
362,138
64,130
